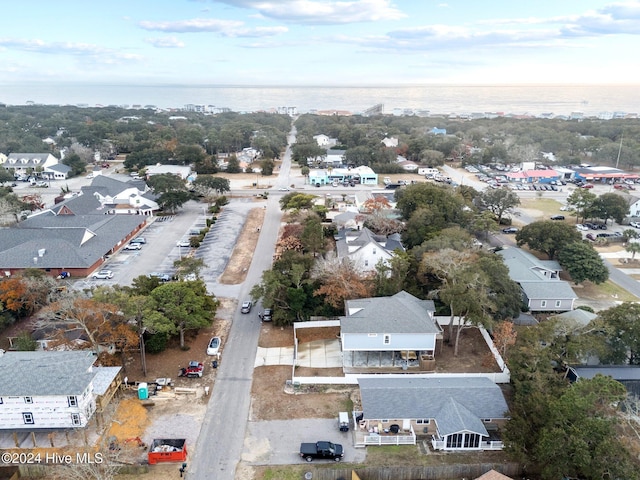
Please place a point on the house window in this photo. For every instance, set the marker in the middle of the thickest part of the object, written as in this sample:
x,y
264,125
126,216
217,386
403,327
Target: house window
x,y
558,303
28,400
72,400
27,418
374,251
387,339
471,440
422,421
75,419
543,303
366,263
455,440
487,420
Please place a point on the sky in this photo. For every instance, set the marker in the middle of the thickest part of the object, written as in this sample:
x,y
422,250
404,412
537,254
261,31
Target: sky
x,y
320,42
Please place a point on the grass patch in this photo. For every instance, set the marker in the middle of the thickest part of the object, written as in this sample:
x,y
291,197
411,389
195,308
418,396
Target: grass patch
x,y
545,205
606,290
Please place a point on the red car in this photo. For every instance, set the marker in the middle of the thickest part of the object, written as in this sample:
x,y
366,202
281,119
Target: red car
x,y
587,185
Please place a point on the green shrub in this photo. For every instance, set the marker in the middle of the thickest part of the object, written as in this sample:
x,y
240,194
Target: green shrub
x,y
24,343
157,343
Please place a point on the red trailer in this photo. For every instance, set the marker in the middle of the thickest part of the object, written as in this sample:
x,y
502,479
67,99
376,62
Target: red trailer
x,y
167,450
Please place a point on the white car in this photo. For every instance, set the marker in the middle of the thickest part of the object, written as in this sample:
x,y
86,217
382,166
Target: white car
x,y
183,243
283,189
133,246
214,346
103,275
582,227
635,224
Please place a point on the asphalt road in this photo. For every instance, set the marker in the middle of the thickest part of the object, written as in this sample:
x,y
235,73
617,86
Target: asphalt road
x,y
219,446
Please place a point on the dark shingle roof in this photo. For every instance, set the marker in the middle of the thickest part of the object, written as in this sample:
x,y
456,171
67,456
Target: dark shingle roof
x,y
455,403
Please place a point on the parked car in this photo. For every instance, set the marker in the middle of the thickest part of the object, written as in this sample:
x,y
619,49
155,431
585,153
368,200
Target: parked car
x,y
586,185
214,346
557,217
591,236
133,246
580,226
183,243
266,315
138,240
635,224
510,230
103,275
246,307
42,185
163,277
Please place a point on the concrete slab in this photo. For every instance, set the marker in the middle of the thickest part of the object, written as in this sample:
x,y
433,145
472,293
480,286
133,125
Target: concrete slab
x,y
274,356
320,354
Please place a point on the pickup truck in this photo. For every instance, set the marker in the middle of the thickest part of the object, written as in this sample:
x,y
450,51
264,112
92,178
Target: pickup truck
x,y
322,450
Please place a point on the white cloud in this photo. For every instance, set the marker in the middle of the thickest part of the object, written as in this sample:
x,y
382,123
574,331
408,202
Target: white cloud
x,y
165,42
225,28
101,54
322,12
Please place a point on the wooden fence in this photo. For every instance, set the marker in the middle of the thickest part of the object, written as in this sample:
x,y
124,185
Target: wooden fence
x,y
434,472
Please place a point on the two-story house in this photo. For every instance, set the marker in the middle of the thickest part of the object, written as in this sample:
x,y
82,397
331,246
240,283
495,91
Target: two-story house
x,y
50,390
27,163
365,248
389,333
539,280
132,197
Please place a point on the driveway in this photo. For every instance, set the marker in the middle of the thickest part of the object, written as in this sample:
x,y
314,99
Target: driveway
x,y
277,442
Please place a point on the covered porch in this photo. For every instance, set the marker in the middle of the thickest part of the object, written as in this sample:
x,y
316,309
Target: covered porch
x,y
405,361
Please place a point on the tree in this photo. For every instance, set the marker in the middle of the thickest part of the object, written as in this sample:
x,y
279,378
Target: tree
x,y
499,201
390,277
610,205
266,167
5,176
485,223
581,201
340,280
78,165
166,183
297,201
233,165
312,236
210,187
583,262
100,323
621,326
547,236
583,421
188,267
183,306
633,248
172,200
504,336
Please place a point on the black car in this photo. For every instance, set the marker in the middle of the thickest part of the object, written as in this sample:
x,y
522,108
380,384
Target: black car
x,y
266,315
557,217
510,230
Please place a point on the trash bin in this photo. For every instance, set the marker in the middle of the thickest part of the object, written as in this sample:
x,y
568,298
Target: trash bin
x,y
143,391
214,364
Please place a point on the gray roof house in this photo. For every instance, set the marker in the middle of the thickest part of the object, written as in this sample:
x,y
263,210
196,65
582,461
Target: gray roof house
x,y
628,375
388,334
28,162
73,236
58,171
365,248
49,390
122,197
539,280
458,413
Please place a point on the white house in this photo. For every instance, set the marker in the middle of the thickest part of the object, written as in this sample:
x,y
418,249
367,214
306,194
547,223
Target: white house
x,y
49,390
24,163
390,142
365,248
325,141
116,197
182,171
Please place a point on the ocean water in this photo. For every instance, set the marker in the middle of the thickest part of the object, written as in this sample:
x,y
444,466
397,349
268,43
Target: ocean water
x,y
436,99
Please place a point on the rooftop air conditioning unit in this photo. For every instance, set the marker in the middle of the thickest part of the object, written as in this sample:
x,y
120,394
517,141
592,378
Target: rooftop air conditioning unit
x,y
41,252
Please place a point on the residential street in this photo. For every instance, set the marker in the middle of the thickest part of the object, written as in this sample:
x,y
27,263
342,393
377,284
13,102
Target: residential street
x,y
222,434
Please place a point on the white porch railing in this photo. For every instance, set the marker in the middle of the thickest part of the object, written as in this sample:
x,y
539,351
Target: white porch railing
x,y
491,445
389,439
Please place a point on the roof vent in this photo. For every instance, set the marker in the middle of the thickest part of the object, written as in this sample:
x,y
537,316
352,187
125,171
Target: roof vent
x,y
41,252
35,260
